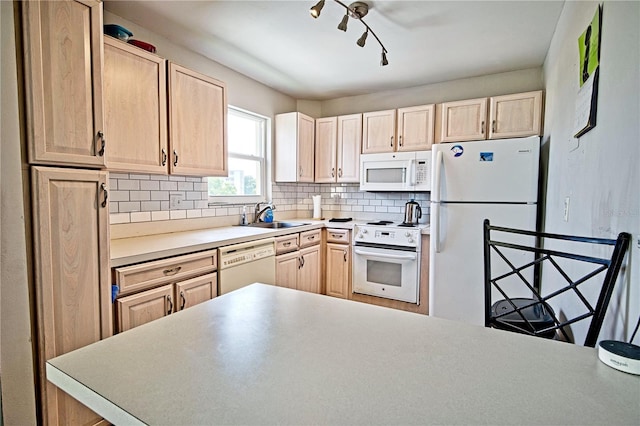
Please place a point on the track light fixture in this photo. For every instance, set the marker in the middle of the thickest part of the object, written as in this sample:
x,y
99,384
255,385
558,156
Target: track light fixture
x,y
356,10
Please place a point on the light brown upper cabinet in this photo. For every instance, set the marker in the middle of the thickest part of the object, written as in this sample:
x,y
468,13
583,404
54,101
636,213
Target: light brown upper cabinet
x,y
461,120
63,81
378,131
508,116
338,141
294,147
517,115
415,128
197,123
135,108
71,274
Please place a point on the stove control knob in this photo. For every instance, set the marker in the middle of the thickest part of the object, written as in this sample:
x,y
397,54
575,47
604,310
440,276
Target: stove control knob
x,y
407,234
360,236
364,231
410,240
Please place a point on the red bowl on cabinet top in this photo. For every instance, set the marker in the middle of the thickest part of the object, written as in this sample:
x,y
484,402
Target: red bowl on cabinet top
x,y
143,45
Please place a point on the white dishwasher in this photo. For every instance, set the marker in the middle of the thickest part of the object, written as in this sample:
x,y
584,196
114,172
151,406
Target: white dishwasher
x,y
247,263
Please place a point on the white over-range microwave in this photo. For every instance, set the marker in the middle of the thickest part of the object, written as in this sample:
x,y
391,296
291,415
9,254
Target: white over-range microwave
x,y
396,171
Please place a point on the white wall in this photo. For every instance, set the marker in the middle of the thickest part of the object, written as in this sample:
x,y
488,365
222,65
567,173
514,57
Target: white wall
x,y
467,88
18,396
601,176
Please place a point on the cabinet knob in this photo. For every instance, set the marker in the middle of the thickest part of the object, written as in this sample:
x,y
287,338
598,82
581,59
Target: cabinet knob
x,y
391,141
400,140
164,157
339,171
493,126
482,127
175,158
333,174
183,300
300,171
345,255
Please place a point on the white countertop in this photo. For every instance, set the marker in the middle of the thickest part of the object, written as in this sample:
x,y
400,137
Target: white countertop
x,y
127,251
270,355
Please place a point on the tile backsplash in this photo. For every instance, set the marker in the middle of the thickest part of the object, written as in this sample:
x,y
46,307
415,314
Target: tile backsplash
x,y
146,198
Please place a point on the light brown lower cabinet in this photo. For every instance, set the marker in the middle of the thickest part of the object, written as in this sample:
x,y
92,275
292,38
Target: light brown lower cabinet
x,y
299,268
338,263
71,273
150,305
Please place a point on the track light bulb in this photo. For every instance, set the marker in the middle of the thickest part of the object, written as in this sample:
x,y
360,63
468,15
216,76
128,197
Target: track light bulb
x,y
384,61
315,10
363,39
343,24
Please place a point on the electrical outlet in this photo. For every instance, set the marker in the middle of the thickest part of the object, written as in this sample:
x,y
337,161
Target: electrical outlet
x,y
175,201
566,209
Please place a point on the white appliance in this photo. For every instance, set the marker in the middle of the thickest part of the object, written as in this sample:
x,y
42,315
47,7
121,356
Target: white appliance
x,y
247,263
386,261
396,171
472,181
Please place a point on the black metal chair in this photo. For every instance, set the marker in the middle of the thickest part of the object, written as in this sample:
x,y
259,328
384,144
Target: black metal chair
x,y
532,313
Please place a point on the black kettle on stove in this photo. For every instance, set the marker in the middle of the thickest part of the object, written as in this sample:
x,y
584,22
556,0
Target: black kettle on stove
x,y
412,212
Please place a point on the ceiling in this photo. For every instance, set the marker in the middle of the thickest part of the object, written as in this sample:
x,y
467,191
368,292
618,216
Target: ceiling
x,y
279,44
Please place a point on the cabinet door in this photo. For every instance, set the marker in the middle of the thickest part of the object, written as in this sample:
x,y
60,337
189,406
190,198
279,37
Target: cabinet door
x,y
309,272
135,108
517,115
63,80
306,131
415,128
349,146
463,120
287,266
326,133
197,123
144,307
378,131
73,288
196,290
338,270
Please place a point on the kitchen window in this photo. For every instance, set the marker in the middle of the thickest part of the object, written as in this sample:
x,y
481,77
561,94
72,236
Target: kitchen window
x,y
247,145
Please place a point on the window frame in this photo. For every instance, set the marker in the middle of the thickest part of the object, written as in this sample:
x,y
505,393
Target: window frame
x,y
263,160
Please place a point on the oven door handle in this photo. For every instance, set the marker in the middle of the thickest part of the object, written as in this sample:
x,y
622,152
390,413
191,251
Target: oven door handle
x,y
386,256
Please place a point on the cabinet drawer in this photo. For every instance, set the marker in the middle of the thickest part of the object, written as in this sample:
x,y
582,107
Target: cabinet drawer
x,y
286,243
340,236
309,238
150,274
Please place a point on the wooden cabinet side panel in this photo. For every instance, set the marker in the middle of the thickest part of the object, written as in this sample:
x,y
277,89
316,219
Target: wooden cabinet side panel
x,y
73,305
63,79
135,105
286,148
349,147
197,123
325,146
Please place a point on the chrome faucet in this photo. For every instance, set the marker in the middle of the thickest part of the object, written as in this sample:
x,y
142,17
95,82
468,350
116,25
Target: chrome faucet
x,y
259,212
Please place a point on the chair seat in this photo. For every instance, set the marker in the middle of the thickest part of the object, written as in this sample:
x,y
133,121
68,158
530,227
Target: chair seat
x,y
537,317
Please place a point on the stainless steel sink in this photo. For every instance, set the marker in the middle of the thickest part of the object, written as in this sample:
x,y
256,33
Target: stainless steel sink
x,y
276,225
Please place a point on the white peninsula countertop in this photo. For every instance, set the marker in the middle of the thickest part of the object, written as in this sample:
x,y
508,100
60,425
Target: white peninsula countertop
x,y
270,355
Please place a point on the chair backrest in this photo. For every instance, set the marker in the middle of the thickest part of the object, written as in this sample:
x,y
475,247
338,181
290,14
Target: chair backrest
x,y
499,241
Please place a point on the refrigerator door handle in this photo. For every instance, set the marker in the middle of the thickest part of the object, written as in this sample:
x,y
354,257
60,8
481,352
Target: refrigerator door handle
x,y
437,169
435,231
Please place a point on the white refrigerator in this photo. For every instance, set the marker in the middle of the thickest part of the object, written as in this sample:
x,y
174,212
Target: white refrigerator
x,y
472,181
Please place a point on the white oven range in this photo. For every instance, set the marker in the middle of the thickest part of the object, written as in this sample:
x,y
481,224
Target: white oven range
x,y
386,261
